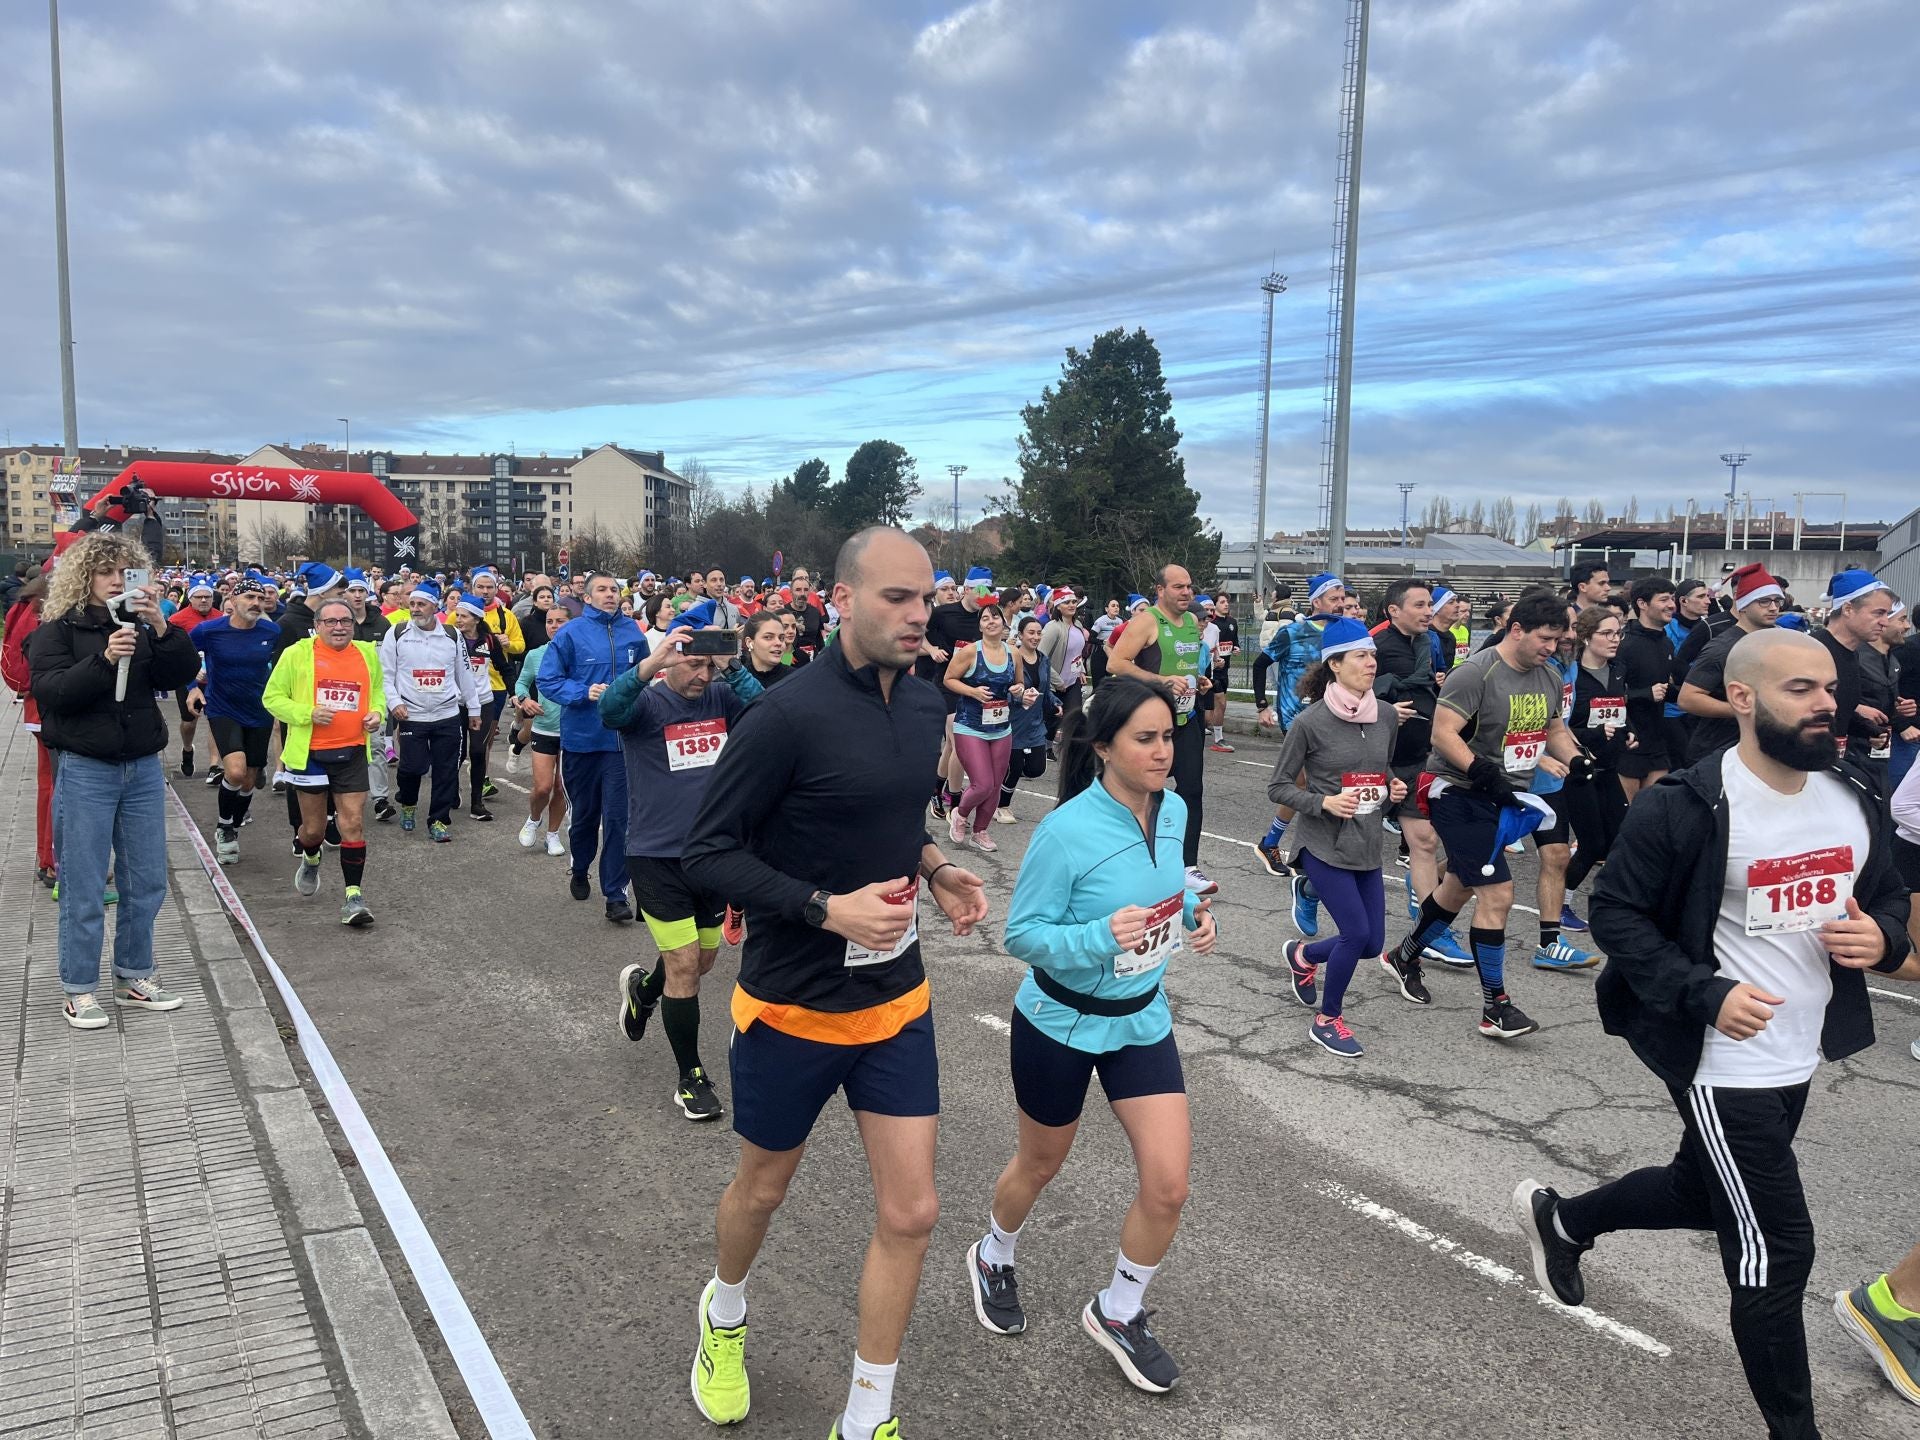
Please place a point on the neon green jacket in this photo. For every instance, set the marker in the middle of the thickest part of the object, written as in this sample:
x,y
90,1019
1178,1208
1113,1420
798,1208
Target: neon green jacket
x,y
289,696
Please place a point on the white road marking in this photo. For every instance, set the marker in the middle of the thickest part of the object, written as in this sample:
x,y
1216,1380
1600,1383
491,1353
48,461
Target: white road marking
x,y
994,1022
1894,995
1487,1269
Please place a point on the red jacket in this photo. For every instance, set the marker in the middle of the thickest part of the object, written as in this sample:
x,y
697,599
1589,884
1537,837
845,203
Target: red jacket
x,y
23,618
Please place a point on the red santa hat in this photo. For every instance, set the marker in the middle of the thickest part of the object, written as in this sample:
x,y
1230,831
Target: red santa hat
x,y
1751,583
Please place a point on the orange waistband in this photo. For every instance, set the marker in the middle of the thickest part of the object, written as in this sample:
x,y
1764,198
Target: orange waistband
x,y
851,1027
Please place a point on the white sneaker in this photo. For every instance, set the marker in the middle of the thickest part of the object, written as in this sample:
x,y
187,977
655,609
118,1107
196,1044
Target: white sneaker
x,y
1004,816
1198,882
513,759
529,834
555,845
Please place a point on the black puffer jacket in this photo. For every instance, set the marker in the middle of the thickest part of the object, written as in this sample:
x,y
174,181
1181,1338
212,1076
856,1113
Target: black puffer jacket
x,y
73,683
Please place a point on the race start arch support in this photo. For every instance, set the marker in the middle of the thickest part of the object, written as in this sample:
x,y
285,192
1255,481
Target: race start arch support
x,y
180,480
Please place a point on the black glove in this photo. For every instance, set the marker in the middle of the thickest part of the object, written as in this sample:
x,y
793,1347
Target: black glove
x,y
1580,769
1491,781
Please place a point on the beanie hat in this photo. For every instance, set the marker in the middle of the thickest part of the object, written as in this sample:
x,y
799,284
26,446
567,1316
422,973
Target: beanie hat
x,y
1751,583
1851,585
1343,635
1320,584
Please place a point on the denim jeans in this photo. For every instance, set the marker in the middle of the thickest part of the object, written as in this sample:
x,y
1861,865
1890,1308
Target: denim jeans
x,y
109,812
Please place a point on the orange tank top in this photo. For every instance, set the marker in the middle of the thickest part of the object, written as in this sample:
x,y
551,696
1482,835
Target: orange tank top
x,y
340,680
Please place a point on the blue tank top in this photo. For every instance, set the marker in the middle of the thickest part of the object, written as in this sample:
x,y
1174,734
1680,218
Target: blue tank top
x,y
987,721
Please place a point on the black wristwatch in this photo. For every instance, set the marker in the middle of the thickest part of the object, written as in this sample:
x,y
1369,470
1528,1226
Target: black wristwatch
x,y
814,912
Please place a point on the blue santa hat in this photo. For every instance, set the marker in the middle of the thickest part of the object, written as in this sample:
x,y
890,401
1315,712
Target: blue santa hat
x,y
319,578
425,589
199,585
355,576
942,577
979,578
697,616
1442,596
1793,620
1136,602
1320,584
471,606
1525,815
1343,635
1851,585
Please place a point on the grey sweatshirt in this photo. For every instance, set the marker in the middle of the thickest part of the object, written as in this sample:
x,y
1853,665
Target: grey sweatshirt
x,y
1329,749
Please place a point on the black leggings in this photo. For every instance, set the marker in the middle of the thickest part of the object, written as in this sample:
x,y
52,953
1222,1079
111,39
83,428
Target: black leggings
x,y
1030,763
1595,811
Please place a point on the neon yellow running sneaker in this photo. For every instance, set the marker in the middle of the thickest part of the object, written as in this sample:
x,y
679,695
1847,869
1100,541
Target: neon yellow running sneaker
x,y
888,1429
720,1368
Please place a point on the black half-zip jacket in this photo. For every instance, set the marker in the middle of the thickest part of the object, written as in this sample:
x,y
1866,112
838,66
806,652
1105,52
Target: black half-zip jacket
x,y
1658,900
823,785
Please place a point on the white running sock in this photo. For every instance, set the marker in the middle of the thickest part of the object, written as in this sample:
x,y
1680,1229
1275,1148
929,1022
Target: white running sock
x,y
1122,1299
869,1399
1560,1229
997,1247
728,1307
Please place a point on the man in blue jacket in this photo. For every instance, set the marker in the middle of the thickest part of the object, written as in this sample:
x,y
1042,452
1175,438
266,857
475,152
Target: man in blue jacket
x,y
587,656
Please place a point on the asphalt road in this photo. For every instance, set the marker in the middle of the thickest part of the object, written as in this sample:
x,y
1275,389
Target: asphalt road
x,y
1346,1267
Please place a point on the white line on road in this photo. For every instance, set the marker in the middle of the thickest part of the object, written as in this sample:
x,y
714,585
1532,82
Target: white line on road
x,y
1894,995
994,1022
1486,1268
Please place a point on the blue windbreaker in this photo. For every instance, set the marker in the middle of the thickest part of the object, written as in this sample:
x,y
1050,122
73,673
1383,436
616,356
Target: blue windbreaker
x,y
1086,860
1293,650
595,649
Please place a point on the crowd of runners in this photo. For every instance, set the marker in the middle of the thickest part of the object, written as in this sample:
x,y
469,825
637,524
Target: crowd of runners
x,y
1730,785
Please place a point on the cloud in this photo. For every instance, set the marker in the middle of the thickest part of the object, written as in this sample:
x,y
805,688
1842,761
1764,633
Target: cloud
x,y
757,231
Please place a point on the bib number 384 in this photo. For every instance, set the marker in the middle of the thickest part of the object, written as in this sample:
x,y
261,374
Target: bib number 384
x,y
1799,892
1161,942
695,744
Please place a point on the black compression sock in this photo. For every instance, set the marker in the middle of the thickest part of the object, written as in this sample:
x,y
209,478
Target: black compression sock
x,y
1433,919
652,984
680,1018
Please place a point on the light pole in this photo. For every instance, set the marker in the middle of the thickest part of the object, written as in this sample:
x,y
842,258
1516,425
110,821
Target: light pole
x,y
68,414
348,443
1349,255
1407,488
1274,284
956,471
1733,460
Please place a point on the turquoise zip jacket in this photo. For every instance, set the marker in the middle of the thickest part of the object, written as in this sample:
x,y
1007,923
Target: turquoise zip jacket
x,y
1086,860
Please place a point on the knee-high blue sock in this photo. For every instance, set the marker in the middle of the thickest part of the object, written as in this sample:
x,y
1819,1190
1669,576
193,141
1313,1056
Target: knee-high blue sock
x,y
1490,959
1274,832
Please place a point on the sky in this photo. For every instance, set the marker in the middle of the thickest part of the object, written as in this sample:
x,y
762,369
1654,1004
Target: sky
x,y
1601,241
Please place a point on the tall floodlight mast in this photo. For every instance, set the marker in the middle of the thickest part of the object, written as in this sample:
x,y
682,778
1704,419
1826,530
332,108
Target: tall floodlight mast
x,y
1337,405
1274,284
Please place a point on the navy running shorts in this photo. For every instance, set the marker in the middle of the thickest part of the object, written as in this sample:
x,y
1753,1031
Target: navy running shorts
x,y
1468,824
1050,1079
781,1082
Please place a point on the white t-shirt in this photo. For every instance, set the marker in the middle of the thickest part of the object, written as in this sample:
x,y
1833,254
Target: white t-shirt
x,y
1791,862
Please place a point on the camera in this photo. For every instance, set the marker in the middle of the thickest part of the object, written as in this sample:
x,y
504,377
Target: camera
x,y
136,498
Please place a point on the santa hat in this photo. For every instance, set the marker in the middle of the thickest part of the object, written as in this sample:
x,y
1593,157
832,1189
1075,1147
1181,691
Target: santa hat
x,y
425,589
319,578
355,577
1343,635
1320,584
1851,585
1136,602
943,577
471,607
979,578
1751,583
1063,596
1443,596
697,616
200,585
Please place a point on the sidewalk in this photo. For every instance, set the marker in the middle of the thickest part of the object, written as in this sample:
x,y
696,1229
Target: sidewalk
x,y
180,1255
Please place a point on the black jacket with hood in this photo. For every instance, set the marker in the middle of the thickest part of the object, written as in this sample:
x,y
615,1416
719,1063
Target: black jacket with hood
x,y
1657,903
74,681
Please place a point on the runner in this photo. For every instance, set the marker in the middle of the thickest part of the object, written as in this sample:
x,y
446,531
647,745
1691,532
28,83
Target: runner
x,y
810,622
1035,707
1099,910
1861,603
1226,646
671,736
1064,643
198,609
1497,722
1342,742
329,694
1588,585
429,686
1160,643
952,624
1551,838
586,656
236,657
984,675
1294,651
486,654
1595,807
761,643
371,625
826,844
1692,602
548,797
1646,658
1738,914
1757,598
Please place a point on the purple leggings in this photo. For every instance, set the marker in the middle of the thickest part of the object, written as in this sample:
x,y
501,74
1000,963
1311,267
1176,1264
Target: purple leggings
x,y
986,767
1356,901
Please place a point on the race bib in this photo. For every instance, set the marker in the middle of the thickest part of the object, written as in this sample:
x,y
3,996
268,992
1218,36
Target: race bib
x,y
994,713
1566,700
695,744
341,695
479,663
1162,940
1841,742
1883,750
1799,892
1607,710
1183,704
1226,651
429,682
1369,787
1522,750
860,955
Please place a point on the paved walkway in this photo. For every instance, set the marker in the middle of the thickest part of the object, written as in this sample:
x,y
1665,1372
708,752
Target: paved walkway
x,y
157,1274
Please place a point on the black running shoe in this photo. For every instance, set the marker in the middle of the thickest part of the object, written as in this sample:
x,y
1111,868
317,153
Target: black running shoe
x,y
1504,1020
1270,857
186,762
383,810
940,804
1407,977
634,1011
214,775
695,1097
477,811
996,1294
1556,1262
1141,1358
619,911
333,833
578,887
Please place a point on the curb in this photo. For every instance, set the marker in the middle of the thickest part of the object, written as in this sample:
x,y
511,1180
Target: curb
x,y
387,1373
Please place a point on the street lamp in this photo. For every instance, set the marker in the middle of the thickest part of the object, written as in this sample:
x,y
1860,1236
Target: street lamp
x,y
956,471
347,444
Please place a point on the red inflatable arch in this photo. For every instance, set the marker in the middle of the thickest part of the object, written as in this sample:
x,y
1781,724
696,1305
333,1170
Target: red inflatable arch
x,y
172,478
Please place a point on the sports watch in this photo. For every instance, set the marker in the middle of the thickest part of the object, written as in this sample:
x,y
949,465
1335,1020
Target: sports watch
x,y
814,912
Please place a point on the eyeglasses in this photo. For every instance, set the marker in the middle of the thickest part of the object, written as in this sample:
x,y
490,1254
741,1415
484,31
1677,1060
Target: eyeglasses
x,y
335,620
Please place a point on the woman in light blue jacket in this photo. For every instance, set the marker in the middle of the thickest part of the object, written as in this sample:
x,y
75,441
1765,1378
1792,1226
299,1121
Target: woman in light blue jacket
x,y
1099,910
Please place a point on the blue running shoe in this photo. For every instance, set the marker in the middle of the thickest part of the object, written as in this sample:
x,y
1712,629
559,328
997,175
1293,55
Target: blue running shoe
x,y
1331,1034
1301,973
1446,948
1572,922
1413,900
1306,907
1562,956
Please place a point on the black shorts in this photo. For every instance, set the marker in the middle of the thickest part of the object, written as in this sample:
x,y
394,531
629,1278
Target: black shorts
x,y
230,737
674,911
782,1082
180,700
1050,1079
342,771
1906,859
1646,757
1679,732
544,744
1409,776
1557,832
1221,680
1468,824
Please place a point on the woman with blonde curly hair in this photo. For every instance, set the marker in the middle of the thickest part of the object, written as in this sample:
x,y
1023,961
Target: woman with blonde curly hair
x,y
109,797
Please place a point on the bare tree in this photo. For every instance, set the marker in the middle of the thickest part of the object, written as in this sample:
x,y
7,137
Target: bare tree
x,y
1631,514
1501,518
706,497
1477,517
271,542
1530,526
1595,513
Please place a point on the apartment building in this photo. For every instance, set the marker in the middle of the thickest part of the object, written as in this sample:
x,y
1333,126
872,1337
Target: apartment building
x,y
44,496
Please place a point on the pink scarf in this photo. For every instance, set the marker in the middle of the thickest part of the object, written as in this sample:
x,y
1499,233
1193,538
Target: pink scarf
x,y
1361,709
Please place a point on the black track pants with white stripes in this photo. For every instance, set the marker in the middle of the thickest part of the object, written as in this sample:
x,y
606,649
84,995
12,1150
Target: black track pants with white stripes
x,y
1735,1175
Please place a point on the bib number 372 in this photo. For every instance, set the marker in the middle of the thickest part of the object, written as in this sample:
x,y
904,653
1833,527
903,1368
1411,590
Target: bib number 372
x,y
1159,945
1799,892
695,744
